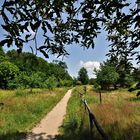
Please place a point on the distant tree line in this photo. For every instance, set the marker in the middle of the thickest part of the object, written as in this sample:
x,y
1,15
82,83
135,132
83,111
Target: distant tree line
x,y
26,70
117,73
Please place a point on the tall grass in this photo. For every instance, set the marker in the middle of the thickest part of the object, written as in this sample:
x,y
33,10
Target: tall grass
x,y
75,125
23,109
119,115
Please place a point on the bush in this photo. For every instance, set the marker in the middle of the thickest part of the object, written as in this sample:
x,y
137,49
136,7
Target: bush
x,y
51,83
66,83
27,80
8,71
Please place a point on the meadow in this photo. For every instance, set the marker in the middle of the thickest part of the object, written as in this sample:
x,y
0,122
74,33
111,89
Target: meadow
x,y
118,114
20,110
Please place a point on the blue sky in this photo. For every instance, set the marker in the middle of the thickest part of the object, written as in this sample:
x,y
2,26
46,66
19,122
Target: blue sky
x,y
88,58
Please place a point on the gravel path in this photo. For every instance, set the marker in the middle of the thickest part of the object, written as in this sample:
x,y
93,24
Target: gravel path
x,y
49,125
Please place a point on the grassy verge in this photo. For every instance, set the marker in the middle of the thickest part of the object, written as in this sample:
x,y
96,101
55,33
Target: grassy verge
x,y
75,125
20,110
119,115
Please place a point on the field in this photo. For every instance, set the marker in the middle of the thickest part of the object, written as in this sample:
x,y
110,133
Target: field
x,y
20,110
119,115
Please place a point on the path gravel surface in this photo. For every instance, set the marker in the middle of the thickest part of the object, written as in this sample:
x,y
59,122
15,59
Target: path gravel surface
x,y
48,128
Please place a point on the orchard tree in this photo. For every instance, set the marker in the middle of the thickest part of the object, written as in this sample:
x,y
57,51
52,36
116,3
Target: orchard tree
x,y
106,76
124,68
136,74
8,71
64,22
83,76
3,56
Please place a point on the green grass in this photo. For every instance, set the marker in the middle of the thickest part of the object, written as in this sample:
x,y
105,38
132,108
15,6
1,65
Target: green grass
x,y
119,115
75,126
23,109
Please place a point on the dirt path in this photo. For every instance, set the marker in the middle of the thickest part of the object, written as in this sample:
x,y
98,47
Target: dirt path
x,y
49,125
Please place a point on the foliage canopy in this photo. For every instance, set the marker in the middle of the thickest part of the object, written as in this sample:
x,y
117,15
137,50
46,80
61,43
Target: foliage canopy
x,y
26,70
66,21
83,76
106,76
8,71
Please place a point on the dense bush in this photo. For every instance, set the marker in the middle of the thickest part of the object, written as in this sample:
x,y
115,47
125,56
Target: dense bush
x,y
83,76
106,76
26,70
51,83
8,71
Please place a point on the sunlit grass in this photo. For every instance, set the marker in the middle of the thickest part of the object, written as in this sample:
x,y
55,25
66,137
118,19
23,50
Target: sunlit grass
x,y
22,109
118,114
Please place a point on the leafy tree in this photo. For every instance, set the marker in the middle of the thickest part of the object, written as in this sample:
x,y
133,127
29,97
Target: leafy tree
x,y
26,80
106,76
83,76
59,72
95,15
51,83
62,65
35,80
25,61
124,67
66,83
129,80
20,81
28,62
136,74
92,81
2,55
75,81
8,71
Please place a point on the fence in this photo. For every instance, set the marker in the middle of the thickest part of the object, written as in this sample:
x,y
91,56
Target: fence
x,y
92,118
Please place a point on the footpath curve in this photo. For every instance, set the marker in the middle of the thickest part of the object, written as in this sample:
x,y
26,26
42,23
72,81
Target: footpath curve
x,y
48,127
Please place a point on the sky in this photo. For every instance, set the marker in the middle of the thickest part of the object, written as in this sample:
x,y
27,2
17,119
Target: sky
x,y
78,57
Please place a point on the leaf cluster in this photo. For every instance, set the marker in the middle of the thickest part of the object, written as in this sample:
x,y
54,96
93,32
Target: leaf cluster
x,y
63,22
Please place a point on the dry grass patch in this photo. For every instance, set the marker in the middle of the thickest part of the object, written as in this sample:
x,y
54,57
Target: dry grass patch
x,y
119,114
23,109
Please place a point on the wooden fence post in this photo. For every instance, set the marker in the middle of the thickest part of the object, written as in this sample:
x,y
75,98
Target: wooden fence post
x,y
100,94
92,119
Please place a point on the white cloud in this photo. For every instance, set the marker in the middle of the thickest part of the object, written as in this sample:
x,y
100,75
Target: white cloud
x,y
90,66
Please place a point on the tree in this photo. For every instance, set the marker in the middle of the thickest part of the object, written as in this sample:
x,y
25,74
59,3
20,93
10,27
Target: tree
x,y
8,71
136,74
83,76
51,83
26,80
124,68
106,76
2,55
62,65
32,67
95,15
25,61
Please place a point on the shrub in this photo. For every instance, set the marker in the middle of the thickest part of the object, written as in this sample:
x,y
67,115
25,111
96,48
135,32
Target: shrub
x,y
51,83
8,71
